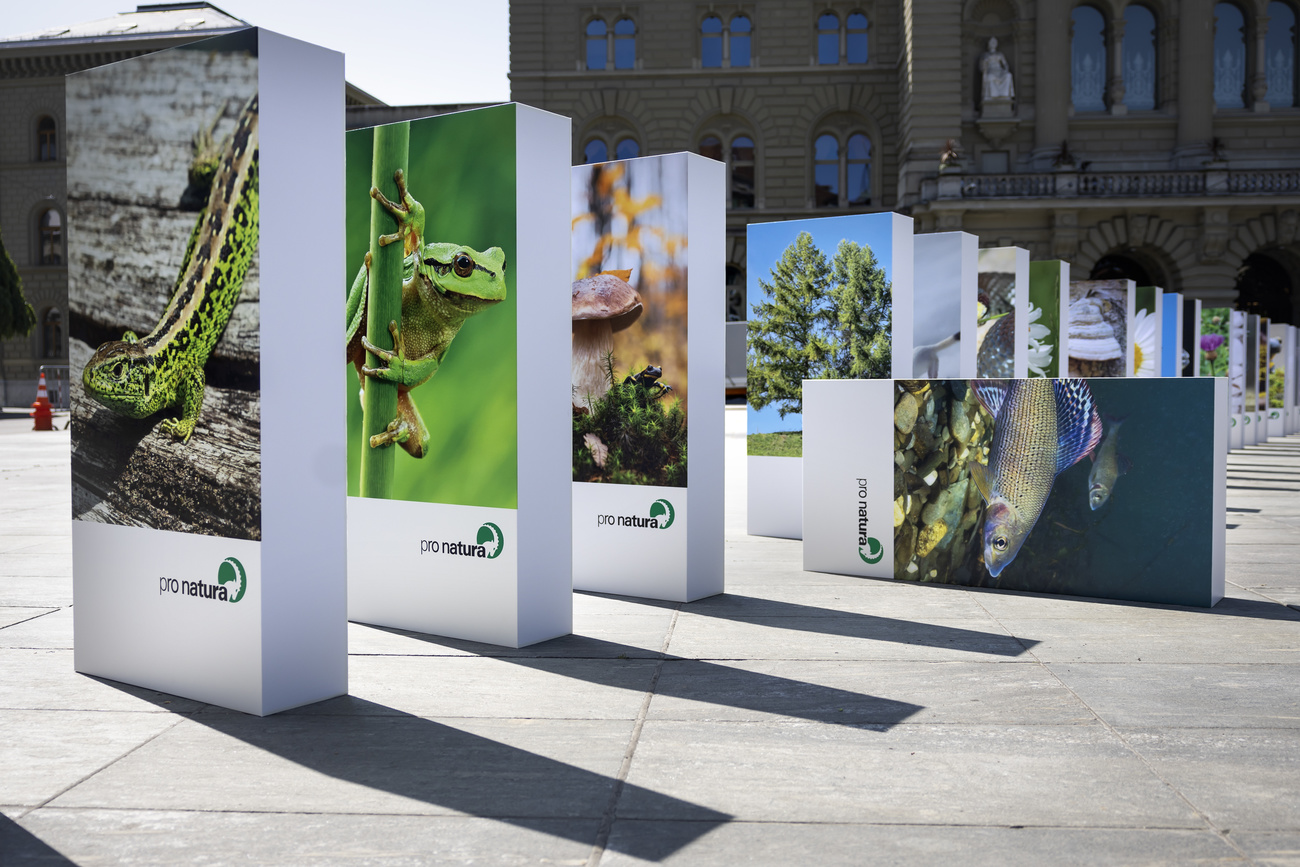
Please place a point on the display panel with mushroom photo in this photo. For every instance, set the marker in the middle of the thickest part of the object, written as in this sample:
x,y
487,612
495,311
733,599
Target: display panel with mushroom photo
x,y
630,386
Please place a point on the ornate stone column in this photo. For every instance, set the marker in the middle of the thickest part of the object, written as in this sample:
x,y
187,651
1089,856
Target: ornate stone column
x,y
1115,53
1259,65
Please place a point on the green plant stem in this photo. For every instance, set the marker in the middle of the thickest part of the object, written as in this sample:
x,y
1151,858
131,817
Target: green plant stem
x,y
383,305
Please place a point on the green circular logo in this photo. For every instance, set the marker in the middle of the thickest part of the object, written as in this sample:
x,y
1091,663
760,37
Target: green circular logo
x,y
663,507
490,532
874,551
232,570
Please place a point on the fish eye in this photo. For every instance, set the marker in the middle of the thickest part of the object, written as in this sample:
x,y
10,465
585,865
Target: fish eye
x,y
463,265
999,543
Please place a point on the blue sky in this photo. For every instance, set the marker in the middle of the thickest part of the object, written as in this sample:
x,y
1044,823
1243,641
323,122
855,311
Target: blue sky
x,y
436,52
765,244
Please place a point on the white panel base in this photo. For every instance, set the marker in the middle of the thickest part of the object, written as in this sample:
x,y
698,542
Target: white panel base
x,y
131,623
407,569
775,499
848,456
1236,427
619,548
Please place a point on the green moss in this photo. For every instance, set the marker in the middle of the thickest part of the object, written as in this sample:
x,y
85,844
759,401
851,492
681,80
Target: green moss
x,y
777,445
644,435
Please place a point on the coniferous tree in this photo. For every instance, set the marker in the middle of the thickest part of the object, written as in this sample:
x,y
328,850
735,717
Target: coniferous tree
x,y
16,316
818,320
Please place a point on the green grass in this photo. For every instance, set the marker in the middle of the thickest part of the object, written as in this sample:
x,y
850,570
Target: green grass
x,y
777,445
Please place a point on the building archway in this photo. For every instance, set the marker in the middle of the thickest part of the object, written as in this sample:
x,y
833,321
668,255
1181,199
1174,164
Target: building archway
x,y
1264,287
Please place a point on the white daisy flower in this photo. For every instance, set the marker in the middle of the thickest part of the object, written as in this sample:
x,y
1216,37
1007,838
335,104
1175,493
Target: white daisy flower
x,y
1040,354
1144,344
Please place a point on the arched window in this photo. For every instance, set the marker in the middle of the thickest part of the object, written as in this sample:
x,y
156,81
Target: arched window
x,y
826,172
47,140
1279,55
595,151
739,38
828,39
52,334
842,171
858,171
627,149
711,42
1139,58
742,172
855,40
711,147
735,294
1088,60
50,237
597,49
1229,56
625,44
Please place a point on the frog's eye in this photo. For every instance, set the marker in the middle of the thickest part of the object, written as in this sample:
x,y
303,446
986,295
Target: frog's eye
x,y
463,265
1000,543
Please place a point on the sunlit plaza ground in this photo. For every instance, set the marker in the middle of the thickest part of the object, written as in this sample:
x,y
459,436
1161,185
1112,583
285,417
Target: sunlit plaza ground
x,y
801,718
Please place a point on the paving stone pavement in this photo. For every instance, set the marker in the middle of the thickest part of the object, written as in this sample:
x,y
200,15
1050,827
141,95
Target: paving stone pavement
x,y
800,718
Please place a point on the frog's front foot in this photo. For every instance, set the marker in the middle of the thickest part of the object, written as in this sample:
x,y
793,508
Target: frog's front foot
x,y
395,359
408,213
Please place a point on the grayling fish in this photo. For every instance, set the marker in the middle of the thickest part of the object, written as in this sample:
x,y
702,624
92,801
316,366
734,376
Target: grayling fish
x,y
1107,465
1041,427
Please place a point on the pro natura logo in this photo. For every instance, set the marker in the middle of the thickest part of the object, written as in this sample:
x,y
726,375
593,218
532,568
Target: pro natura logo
x,y
232,583
874,550
662,515
488,545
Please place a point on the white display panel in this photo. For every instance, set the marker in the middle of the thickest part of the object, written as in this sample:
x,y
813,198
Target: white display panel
x,y
208,532
648,516
472,539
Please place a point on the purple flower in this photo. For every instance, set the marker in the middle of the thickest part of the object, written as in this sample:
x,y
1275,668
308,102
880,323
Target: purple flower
x,y
1211,342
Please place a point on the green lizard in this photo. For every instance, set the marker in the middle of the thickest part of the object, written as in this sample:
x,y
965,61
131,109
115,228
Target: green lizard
x,y
442,286
139,376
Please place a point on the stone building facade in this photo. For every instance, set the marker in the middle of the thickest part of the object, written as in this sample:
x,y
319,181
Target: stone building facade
x,y
33,171
1157,140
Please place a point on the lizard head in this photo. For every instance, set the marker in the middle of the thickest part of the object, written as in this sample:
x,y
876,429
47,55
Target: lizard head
x,y
465,278
124,378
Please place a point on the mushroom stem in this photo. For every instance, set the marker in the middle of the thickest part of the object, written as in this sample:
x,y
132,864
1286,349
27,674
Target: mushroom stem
x,y
593,339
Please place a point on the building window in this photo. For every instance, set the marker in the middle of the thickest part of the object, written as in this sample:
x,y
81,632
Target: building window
x,y
735,294
739,157
826,172
627,149
597,44
1279,47
1229,57
741,171
711,42
828,39
595,151
50,235
625,44
52,334
47,140
855,40
739,40
1088,60
858,171
1139,58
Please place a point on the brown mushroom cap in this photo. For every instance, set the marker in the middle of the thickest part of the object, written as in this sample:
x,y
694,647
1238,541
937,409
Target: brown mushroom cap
x,y
605,296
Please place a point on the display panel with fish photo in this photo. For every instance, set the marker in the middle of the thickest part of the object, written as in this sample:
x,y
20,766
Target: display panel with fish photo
x,y
1044,485
1148,335
1101,327
1002,311
1048,317
944,301
827,298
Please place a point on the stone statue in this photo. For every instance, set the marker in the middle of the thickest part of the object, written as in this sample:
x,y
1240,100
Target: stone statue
x,y
998,84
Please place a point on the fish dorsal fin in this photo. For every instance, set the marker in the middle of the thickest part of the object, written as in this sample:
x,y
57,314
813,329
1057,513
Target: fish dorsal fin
x,y
990,393
1078,426
980,475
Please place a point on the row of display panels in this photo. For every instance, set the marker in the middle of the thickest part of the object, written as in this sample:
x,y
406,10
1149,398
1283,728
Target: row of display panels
x,y
859,298
504,442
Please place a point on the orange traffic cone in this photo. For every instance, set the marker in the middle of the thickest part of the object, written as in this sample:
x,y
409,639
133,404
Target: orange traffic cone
x,y
41,408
